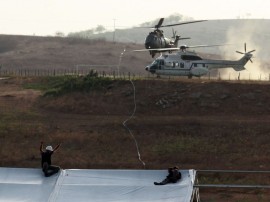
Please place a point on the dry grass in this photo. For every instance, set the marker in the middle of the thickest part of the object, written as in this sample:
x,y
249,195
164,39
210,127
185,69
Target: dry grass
x,y
206,125
232,134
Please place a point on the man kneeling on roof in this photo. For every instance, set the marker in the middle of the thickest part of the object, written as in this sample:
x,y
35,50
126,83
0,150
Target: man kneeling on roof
x,y
46,166
173,177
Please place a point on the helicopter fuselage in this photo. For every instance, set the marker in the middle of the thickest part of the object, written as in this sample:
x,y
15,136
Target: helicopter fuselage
x,y
190,64
154,41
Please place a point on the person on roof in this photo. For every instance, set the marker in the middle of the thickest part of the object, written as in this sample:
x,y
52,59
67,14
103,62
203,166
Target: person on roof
x,y
173,176
46,165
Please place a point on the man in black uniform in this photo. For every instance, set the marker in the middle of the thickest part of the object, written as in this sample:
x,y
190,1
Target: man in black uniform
x,y
173,177
46,166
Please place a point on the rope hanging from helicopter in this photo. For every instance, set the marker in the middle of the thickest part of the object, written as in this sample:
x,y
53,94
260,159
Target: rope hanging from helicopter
x,y
125,124
132,115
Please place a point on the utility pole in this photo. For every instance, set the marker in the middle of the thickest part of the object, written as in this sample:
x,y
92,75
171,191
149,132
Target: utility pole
x,y
114,30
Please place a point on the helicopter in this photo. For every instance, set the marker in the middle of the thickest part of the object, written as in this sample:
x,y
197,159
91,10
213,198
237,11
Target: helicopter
x,y
185,63
156,39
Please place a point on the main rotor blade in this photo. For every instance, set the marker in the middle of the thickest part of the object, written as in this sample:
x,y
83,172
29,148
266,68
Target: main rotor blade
x,y
183,23
159,23
184,38
179,48
157,49
201,46
239,52
251,51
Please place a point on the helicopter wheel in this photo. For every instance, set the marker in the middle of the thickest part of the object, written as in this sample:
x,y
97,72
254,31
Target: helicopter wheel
x,y
190,76
158,76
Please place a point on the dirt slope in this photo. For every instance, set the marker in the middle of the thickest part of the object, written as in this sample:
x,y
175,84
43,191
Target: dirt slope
x,y
185,107
191,123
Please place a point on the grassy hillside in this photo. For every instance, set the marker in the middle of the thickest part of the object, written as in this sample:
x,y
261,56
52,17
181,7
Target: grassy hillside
x,y
31,52
226,124
196,124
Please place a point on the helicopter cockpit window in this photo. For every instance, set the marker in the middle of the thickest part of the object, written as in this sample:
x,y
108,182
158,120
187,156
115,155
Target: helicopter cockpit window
x,y
190,57
154,62
157,62
161,62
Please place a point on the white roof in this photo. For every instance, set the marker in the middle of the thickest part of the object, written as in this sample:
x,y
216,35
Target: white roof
x,y
30,185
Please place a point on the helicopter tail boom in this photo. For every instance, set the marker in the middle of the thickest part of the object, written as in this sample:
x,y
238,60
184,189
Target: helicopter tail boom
x,y
243,61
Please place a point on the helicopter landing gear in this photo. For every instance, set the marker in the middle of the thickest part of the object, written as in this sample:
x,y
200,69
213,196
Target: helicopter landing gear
x,y
190,76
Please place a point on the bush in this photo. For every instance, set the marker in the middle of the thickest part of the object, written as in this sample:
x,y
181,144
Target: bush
x,y
82,84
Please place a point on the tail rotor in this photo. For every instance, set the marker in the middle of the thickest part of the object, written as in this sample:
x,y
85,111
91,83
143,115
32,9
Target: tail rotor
x,y
177,37
246,53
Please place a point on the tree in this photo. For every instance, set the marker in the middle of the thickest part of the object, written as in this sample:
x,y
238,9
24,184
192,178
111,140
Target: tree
x,y
99,29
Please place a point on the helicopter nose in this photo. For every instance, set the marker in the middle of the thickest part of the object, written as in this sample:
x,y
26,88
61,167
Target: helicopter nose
x,y
150,69
147,68
147,45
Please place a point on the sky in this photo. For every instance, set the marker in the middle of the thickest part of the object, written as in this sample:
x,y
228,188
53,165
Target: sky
x,y
46,17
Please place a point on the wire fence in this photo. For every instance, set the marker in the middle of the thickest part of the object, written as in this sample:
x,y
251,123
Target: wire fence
x,y
234,76
66,72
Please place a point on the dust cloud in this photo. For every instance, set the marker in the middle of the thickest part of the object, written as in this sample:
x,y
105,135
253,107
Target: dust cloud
x,y
250,33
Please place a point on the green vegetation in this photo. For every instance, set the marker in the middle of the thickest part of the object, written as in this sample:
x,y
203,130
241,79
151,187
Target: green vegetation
x,y
45,83
59,85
